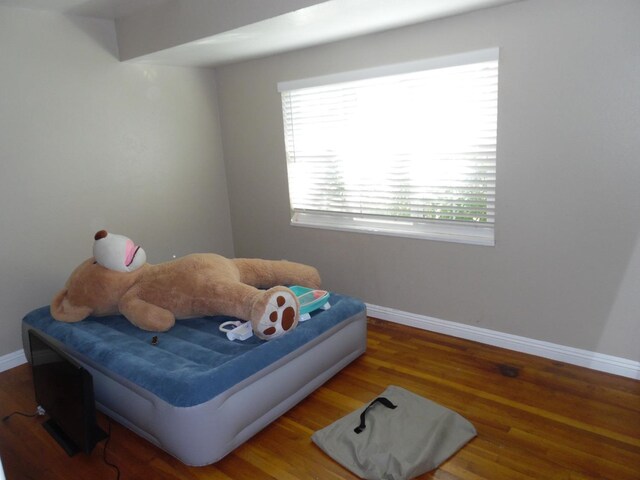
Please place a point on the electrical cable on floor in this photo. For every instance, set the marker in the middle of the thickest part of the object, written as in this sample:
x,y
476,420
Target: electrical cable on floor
x,y
30,415
104,451
40,411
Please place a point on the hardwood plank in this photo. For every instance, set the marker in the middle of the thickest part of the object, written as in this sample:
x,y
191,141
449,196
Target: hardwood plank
x,y
536,418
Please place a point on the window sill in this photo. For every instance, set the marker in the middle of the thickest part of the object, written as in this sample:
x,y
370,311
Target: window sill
x,y
425,230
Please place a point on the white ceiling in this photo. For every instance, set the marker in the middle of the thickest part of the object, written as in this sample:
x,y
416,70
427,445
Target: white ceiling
x,y
108,9
326,21
315,25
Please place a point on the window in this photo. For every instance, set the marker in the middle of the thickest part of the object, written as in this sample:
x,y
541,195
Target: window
x,y
405,149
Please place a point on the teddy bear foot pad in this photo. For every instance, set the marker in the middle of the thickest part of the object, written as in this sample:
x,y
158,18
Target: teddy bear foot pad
x,y
280,315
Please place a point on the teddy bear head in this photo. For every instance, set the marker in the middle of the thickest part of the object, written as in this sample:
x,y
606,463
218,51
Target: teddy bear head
x,y
97,284
117,252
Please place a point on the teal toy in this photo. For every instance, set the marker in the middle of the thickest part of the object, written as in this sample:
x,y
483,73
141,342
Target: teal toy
x,y
310,300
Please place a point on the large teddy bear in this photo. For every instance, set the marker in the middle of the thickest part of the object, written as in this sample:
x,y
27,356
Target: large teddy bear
x,y
117,279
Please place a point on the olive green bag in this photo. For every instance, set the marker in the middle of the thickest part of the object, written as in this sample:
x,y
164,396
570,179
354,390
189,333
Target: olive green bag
x,y
399,435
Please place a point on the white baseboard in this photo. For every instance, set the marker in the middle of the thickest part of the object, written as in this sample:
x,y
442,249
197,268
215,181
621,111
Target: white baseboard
x,y
574,356
11,360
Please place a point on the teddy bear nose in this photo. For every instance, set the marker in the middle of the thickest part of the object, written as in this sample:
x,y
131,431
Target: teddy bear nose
x,y
100,234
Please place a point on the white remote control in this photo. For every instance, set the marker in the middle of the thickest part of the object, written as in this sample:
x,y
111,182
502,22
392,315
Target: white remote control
x,y
240,330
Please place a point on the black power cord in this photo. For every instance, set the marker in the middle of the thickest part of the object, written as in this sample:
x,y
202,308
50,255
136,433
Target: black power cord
x,y
40,411
31,415
104,451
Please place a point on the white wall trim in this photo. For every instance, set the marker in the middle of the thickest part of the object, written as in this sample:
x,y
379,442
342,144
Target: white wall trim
x,y
574,356
11,360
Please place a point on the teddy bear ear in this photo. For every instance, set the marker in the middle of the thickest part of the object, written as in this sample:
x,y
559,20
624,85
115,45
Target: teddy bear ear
x,y
65,311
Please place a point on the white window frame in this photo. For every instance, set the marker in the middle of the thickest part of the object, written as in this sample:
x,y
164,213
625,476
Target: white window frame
x,y
442,230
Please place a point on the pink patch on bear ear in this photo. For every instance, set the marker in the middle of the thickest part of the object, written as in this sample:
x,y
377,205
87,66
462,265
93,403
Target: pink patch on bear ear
x,y
130,249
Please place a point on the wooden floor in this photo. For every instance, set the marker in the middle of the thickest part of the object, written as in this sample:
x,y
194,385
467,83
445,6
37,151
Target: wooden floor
x,y
536,419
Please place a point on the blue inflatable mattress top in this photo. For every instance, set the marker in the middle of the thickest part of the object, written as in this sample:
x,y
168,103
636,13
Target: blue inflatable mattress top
x,y
194,361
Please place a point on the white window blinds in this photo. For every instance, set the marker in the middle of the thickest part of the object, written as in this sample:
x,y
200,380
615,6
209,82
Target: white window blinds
x,y
405,149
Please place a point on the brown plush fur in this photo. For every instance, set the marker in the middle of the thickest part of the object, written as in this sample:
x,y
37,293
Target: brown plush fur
x,y
154,296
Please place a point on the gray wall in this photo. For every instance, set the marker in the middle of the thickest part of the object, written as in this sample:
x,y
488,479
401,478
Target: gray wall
x,y
566,265
87,142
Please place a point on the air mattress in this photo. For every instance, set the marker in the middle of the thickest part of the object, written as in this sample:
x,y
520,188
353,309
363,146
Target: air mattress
x,y
193,392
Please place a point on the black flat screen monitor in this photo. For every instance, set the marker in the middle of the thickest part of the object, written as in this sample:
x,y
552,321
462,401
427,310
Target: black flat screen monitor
x,y
65,390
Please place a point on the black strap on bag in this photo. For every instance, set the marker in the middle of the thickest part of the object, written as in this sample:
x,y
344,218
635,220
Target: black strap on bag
x,y
384,401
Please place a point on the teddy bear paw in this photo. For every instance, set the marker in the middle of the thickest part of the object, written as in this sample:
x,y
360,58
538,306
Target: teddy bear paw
x,y
280,314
